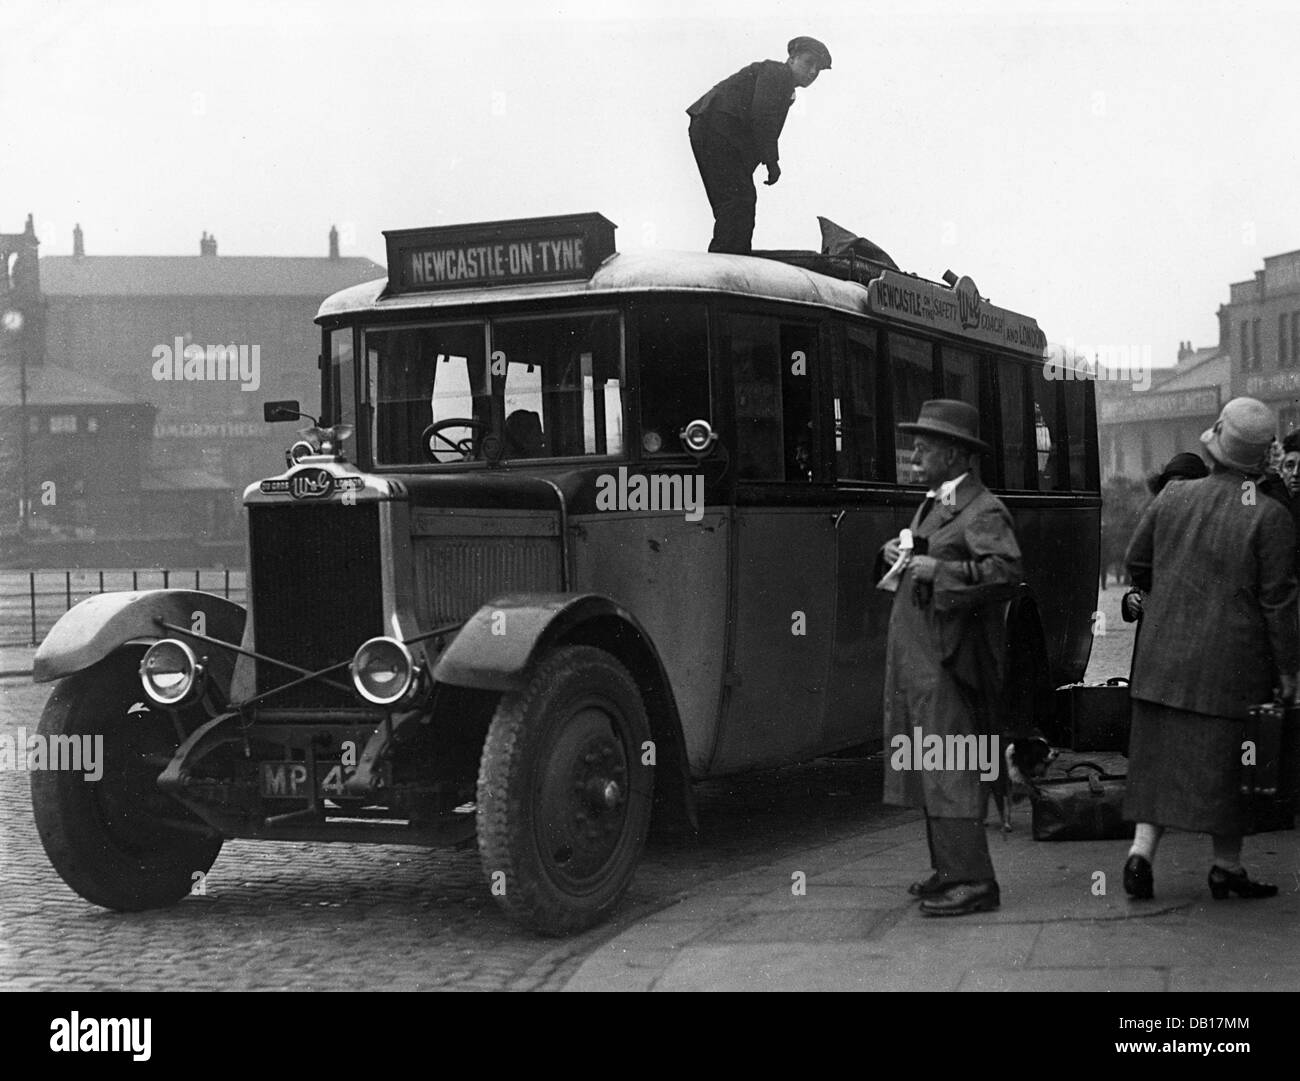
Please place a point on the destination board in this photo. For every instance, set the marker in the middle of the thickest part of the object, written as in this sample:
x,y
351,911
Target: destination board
x,y
568,248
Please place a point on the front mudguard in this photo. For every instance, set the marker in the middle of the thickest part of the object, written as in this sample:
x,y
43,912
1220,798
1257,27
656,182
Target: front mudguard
x,y
90,631
500,645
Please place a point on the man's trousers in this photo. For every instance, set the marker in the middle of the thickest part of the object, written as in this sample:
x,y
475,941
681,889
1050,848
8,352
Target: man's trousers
x,y
728,177
959,850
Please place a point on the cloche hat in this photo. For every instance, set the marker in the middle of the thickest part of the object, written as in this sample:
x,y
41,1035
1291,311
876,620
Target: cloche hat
x,y
1241,436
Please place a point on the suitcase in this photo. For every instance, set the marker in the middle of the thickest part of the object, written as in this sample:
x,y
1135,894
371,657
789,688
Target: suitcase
x,y
1093,717
1270,782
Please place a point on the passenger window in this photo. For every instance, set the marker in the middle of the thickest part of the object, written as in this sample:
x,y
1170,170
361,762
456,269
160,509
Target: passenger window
x,y
756,373
1046,429
911,363
798,361
772,369
1075,391
673,350
856,430
961,377
1011,397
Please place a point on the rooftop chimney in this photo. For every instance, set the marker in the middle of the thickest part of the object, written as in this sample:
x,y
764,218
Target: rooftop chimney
x,y
334,241
78,242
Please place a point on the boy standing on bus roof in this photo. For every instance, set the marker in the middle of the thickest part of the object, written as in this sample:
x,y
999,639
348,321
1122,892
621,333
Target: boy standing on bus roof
x,y
946,655
734,129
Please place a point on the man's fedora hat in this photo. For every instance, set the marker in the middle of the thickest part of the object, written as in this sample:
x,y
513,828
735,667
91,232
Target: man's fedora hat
x,y
1241,436
810,45
951,419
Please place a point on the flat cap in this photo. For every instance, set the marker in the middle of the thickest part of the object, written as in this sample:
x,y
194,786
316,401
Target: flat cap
x,y
810,45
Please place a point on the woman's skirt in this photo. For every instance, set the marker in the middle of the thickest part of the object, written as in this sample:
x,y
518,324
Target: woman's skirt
x,y
1184,770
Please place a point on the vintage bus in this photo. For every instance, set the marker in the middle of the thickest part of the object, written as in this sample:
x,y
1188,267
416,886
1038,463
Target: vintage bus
x,y
575,528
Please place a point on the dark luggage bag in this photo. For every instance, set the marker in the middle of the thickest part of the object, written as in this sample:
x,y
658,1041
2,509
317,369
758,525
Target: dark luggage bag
x,y
1093,717
1269,783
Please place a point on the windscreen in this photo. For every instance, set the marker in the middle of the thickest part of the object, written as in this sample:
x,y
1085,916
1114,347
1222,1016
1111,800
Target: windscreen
x,y
540,386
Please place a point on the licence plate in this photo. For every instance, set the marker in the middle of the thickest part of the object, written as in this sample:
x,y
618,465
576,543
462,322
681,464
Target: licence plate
x,y
289,780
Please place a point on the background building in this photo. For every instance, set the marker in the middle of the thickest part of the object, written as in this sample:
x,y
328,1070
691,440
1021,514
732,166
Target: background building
x,y
158,463
1140,430
1258,355
1260,327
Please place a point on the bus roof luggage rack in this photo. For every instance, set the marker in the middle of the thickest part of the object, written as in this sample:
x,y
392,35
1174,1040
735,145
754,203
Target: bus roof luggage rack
x,y
848,267
844,255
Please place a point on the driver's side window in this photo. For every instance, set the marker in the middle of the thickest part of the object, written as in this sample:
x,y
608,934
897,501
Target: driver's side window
x,y
425,375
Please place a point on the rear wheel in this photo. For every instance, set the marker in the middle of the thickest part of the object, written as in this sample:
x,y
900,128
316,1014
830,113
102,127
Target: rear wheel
x,y
112,839
563,798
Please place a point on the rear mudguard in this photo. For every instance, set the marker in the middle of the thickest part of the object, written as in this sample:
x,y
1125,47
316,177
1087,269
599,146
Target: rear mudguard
x,y
88,632
499,645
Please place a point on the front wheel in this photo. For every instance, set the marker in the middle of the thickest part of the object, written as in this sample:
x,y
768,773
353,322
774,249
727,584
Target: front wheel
x,y
114,838
563,797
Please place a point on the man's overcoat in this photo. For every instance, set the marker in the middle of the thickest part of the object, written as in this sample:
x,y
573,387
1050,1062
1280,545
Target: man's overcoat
x,y
946,649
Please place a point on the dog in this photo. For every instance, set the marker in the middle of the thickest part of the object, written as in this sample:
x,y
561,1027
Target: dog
x,y
1024,758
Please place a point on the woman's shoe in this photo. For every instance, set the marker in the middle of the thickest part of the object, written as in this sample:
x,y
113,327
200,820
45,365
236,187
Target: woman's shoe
x,y
1138,881
1224,882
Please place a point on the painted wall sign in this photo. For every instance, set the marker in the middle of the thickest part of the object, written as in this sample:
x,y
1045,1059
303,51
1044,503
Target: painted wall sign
x,y
1269,386
525,250
958,309
1200,401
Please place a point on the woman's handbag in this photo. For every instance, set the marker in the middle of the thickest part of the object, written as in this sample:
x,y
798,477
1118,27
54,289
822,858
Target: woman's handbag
x,y
1088,808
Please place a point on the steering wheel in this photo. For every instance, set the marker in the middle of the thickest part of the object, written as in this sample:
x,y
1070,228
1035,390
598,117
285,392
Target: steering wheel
x,y
465,446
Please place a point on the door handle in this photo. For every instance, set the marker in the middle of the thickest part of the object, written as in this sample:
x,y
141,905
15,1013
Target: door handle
x,y
837,518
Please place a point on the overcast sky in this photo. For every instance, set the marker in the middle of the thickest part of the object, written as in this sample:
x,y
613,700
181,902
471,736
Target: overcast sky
x,y
1105,167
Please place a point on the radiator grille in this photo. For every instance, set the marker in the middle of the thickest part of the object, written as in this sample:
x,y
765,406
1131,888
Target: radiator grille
x,y
316,593
454,576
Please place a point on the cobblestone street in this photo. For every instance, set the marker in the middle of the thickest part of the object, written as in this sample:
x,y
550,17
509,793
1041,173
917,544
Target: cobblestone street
x,y
344,916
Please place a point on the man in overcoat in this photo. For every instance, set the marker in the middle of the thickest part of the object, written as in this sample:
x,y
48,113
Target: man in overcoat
x,y
946,653
734,129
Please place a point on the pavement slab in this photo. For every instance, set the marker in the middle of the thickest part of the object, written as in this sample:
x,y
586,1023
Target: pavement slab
x,y
1064,924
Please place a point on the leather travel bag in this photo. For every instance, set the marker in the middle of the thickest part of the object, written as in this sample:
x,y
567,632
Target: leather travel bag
x,y
1084,808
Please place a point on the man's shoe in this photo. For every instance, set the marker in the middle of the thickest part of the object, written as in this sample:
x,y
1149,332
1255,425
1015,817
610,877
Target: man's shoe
x,y
930,887
1138,882
964,899
1222,882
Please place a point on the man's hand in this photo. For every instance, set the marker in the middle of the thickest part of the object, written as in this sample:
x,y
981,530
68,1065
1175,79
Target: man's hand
x,y
1130,606
773,174
891,552
1288,687
923,568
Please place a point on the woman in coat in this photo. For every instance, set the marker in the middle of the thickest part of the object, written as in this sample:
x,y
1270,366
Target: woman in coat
x,y
1219,631
1183,466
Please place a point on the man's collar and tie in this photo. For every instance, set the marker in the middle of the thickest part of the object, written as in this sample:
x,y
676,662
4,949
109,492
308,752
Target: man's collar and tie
x,y
945,494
